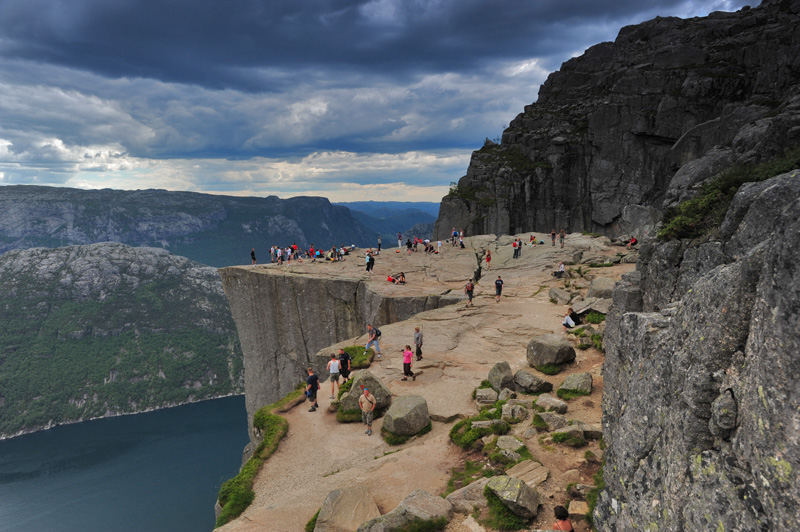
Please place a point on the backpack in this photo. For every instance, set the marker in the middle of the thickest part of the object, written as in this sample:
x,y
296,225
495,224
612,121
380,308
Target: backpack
x,y
377,333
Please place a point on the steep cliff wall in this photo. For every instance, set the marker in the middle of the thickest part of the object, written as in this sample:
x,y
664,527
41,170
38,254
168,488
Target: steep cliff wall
x,y
633,126
284,319
701,404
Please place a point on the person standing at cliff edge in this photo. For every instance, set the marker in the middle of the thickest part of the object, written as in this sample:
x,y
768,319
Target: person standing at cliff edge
x,y
399,239
253,257
312,386
374,338
379,246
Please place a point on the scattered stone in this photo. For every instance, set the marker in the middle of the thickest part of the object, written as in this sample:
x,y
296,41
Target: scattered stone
x,y
486,396
560,296
602,287
509,442
592,431
548,402
512,456
570,476
573,431
487,423
579,491
554,421
578,382
527,382
602,305
515,494
549,349
500,376
511,412
530,472
467,498
530,433
407,415
345,509
507,394
577,510
418,505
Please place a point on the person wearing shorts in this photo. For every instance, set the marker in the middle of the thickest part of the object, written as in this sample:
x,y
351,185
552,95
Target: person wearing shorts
x,y
333,368
344,364
312,385
469,289
561,236
367,403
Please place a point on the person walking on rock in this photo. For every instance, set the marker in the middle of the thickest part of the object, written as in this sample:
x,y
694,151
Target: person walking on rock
x,y
374,338
367,404
498,288
553,236
488,258
312,385
344,364
469,289
333,368
561,236
253,257
408,357
418,342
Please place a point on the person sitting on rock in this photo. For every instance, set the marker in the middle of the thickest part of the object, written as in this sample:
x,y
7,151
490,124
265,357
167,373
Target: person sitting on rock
x,y
567,322
632,242
574,316
560,272
562,519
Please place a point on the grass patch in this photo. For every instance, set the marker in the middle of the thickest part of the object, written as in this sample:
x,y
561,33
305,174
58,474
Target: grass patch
x,y
541,288
360,357
398,439
580,332
348,416
312,522
344,388
465,435
601,264
594,493
538,423
237,493
569,440
566,395
549,369
597,342
700,216
589,456
500,517
459,478
536,407
595,317
483,384
424,525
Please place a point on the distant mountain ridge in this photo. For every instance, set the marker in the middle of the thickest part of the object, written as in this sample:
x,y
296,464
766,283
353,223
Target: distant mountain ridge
x,y
214,230
106,329
391,217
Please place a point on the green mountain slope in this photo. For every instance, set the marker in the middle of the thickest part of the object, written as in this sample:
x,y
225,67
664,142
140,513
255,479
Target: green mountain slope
x,y
105,329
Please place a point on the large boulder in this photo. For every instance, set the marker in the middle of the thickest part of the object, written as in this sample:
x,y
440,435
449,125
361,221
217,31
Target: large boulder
x,y
345,509
465,500
407,415
527,382
578,382
365,379
418,505
530,472
500,376
559,295
549,349
516,495
602,288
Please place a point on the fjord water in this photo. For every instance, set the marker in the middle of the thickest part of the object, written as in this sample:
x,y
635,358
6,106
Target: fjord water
x,y
157,471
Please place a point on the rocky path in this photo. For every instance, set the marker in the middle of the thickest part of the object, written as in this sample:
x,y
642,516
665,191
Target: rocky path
x,y
461,345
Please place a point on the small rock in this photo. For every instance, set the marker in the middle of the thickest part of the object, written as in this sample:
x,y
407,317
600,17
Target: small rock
x,y
512,456
518,497
465,499
592,431
554,421
508,442
514,412
507,394
500,376
549,349
486,396
578,382
531,472
559,295
602,287
570,476
345,509
578,509
527,382
418,505
407,415
548,402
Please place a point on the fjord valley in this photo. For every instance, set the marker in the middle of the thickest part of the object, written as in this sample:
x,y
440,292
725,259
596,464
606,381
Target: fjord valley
x,y
107,329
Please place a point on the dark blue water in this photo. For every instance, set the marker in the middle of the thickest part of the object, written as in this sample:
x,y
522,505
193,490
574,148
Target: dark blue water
x,y
158,471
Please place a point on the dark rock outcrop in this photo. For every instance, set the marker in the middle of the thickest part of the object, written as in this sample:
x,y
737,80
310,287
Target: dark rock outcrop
x,y
634,126
701,404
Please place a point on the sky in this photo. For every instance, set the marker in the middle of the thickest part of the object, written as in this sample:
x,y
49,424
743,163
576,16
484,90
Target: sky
x,y
348,99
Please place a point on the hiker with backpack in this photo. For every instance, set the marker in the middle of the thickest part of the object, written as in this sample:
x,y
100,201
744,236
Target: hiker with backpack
x,y
312,386
374,337
469,289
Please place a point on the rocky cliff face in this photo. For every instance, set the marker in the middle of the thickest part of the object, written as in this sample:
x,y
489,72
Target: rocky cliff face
x,y
634,126
215,230
284,319
701,405
107,329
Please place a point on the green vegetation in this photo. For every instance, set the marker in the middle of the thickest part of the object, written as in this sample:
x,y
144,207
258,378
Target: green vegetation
x,y
566,395
702,215
348,416
398,439
549,369
464,435
600,264
594,493
344,388
139,348
483,384
538,423
595,317
236,494
360,357
597,342
570,440
462,477
424,525
500,517
312,522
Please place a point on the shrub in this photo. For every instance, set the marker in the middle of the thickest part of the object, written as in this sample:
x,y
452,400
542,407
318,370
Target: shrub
x,y
464,435
344,388
398,439
424,525
500,517
569,439
538,423
600,264
597,341
312,522
549,369
360,357
595,317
